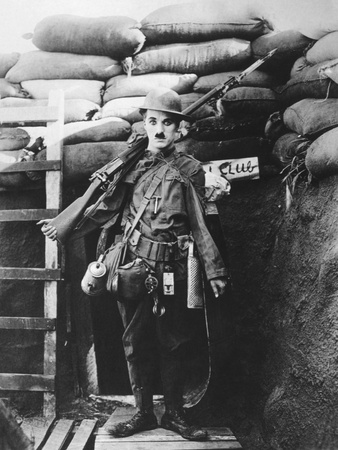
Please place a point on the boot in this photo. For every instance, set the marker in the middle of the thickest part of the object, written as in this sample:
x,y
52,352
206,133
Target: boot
x,y
143,420
175,420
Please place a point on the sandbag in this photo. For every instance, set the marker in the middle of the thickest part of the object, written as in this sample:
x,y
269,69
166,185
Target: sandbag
x,y
109,129
73,89
310,82
201,58
201,21
35,133
275,127
7,61
8,89
298,66
74,110
257,78
311,118
290,44
42,65
322,156
138,128
287,147
80,161
222,128
324,49
125,108
232,148
13,138
81,110
8,159
140,85
329,69
114,36
317,19
206,110
249,101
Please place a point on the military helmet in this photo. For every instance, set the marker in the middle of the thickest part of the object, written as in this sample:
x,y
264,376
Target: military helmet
x,y
164,100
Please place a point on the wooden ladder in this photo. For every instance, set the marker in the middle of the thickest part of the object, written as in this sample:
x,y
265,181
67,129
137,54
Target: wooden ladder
x,y
53,116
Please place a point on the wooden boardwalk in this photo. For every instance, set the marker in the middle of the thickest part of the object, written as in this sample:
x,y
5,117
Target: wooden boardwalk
x,y
160,439
60,434
65,434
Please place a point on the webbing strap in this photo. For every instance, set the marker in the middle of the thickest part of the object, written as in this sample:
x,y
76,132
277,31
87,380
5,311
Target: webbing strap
x,y
150,191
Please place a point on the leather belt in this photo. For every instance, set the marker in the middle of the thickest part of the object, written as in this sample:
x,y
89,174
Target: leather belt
x,y
157,251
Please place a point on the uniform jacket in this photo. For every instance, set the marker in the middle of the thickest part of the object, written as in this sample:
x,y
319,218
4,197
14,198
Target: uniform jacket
x,y
176,208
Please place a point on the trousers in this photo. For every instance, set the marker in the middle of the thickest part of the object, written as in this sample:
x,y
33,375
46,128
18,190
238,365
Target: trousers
x,y
164,344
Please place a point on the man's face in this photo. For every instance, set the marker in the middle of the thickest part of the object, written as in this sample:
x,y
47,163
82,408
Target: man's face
x,y
161,129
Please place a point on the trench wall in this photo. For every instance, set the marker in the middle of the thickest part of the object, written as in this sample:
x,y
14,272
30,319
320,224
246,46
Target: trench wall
x,y
281,379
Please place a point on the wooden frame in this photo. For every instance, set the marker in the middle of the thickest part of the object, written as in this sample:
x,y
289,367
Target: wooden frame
x,y
53,116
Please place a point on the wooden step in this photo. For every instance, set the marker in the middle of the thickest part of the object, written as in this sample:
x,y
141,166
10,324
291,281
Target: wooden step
x,y
26,382
27,323
29,114
34,166
23,273
27,215
161,439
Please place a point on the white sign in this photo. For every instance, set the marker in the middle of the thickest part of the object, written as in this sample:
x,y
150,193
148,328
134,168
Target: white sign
x,y
234,169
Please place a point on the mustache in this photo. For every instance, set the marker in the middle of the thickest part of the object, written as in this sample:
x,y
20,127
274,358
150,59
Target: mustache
x,y
160,135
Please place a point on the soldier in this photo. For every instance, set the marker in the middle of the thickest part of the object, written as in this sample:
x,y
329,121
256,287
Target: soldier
x,y
173,216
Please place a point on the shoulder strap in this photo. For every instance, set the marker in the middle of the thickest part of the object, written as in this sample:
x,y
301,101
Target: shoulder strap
x,y
150,191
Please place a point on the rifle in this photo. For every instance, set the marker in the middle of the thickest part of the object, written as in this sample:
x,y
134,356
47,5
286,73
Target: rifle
x,y
107,178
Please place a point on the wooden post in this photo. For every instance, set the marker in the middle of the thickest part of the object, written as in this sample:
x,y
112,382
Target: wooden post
x,y
53,200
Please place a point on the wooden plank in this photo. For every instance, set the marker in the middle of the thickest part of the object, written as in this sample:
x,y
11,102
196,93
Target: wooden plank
x,y
54,151
37,429
160,434
20,215
219,438
179,445
53,184
27,323
28,273
59,435
26,382
34,166
82,435
29,114
123,413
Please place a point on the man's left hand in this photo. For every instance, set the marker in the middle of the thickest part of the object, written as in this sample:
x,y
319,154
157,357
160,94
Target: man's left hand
x,y
216,187
218,286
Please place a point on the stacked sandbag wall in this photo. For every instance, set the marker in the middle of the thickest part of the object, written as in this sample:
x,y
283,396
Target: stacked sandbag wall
x,y
308,105
77,56
106,66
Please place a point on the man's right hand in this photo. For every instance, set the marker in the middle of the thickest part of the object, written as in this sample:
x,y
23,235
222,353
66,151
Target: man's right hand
x,y
48,230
